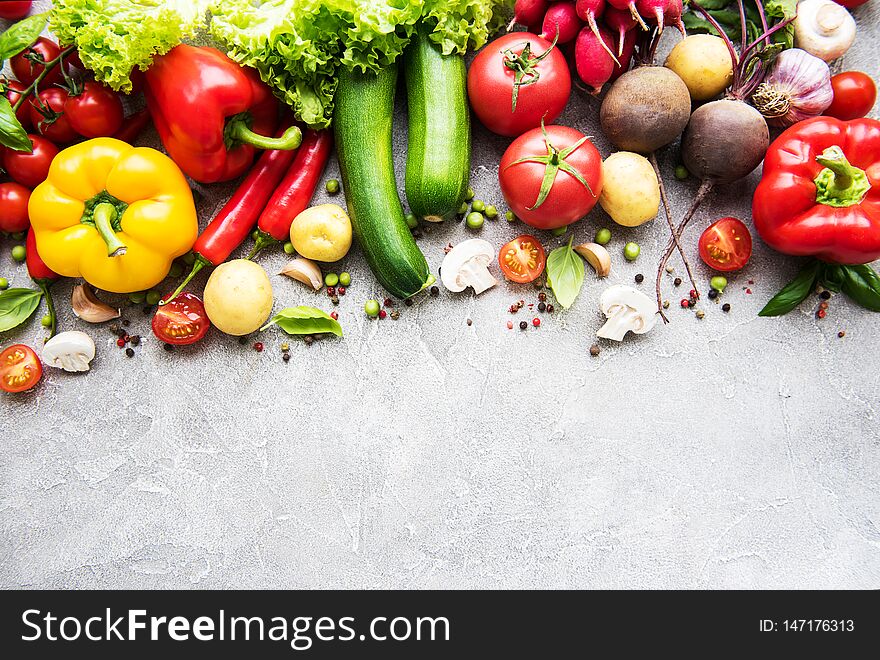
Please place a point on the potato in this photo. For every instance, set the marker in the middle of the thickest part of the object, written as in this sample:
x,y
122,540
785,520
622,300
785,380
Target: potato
x,y
703,62
238,297
631,192
322,233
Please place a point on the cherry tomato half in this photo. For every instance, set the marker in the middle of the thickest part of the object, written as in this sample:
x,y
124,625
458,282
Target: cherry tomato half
x,y
30,169
726,245
854,95
95,112
182,321
12,89
13,10
49,117
523,259
27,71
14,199
20,368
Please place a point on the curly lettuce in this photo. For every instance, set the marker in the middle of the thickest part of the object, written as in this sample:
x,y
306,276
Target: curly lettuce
x,y
458,25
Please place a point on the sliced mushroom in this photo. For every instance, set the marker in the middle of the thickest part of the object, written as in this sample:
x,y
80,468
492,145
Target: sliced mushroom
x,y
305,271
467,265
72,351
597,256
89,308
628,310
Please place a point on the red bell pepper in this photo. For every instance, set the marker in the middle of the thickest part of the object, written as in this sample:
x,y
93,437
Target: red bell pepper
x,y
43,276
212,114
134,125
820,196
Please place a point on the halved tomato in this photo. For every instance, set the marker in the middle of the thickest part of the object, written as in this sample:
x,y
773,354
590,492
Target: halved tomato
x,y
523,259
726,245
20,368
182,321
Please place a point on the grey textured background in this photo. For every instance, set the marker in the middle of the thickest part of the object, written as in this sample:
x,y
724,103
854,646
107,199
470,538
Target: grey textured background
x,y
732,452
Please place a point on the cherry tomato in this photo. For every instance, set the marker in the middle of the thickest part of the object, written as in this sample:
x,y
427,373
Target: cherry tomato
x,y
30,170
523,259
27,71
20,368
12,89
567,200
13,10
54,124
726,245
182,321
544,91
14,207
95,112
854,95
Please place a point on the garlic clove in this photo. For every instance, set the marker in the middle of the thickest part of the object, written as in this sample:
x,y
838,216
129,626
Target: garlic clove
x,y
89,308
597,256
305,271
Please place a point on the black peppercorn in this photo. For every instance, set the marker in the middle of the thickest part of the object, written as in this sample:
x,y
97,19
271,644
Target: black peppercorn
x,y
825,295
677,281
129,352
595,350
242,340
435,291
713,294
135,340
286,357
726,307
408,302
126,322
550,308
640,278
523,325
169,347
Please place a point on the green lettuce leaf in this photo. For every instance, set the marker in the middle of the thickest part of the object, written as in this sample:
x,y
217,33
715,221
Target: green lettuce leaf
x,y
462,24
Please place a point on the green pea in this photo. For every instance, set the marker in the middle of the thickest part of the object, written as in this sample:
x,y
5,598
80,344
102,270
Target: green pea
x,y
411,220
463,208
175,271
46,321
559,231
681,173
333,186
153,297
345,279
491,212
719,283
19,254
4,284
603,236
509,216
189,258
331,279
631,251
288,248
475,220
137,298
371,307
470,194
478,205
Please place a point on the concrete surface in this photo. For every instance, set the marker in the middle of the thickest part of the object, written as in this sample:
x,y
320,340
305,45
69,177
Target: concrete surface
x,y
732,452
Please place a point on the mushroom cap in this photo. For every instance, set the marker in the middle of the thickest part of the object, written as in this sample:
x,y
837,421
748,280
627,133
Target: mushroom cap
x,y
621,295
473,250
72,351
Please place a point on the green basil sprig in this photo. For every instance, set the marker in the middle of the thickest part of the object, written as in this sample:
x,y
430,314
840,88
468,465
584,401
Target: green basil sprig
x,y
305,321
565,274
21,35
860,283
793,293
12,134
17,306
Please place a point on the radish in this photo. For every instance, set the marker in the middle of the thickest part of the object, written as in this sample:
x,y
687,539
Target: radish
x,y
674,12
653,10
588,11
629,6
621,22
594,65
528,12
561,23
626,55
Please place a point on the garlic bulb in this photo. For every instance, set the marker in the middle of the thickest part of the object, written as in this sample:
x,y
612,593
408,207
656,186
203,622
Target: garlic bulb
x,y
797,88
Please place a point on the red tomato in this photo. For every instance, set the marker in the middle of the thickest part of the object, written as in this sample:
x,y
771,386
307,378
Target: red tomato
x,y
523,259
95,112
854,95
182,321
726,245
568,200
27,71
11,91
545,88
20,368
13,10
850,4
50,119
14,207
30,170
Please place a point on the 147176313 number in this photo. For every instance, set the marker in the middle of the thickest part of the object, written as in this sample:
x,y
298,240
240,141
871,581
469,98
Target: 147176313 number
x,y
818,625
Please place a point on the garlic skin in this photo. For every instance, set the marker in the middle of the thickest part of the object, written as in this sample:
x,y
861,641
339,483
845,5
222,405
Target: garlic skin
x,y
89,308
824,28
798,87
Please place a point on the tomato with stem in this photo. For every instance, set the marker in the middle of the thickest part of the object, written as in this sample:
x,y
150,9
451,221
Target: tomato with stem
x,y
94,110
14,199
726,245
30,63
181,321
20,369
30,169
854,95
523,259
49,117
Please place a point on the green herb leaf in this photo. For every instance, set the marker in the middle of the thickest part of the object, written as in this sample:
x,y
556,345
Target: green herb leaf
x,y
304,321
12,134
17,306
862,284
565,274
833,277
793,293
21,35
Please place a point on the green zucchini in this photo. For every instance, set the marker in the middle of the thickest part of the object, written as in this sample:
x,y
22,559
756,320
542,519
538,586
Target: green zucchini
x,y
439,152
362,124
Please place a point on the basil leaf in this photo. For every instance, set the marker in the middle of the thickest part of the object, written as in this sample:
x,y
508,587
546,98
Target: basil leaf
x,y
833,277
17,306
565,274
21,35
862,284
793,293
12,134
305,321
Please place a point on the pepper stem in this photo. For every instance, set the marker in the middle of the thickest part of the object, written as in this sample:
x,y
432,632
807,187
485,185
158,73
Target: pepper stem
x,y
263,241
840,184
238,132
104,215
200,263
50,304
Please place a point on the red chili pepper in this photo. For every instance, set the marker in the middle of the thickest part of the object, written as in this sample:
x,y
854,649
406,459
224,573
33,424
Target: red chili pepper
x,y
134,125
43,276
296,190
237,218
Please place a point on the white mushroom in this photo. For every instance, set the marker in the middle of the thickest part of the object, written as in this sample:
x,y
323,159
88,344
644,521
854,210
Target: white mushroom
x,y
71,351
467,265
823,28
627,310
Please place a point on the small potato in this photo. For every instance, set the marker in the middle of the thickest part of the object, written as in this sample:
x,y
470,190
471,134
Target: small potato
x,y
631,194
703,62
238,297
322,233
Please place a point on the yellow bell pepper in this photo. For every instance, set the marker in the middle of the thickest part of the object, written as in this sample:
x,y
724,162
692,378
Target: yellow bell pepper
x,y
113,214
